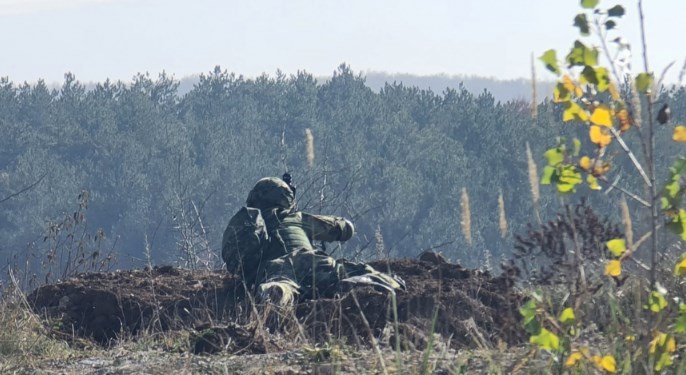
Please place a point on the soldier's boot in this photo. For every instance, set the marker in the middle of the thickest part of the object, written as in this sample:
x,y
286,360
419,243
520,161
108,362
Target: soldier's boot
x,y
276,299
280,292
378,280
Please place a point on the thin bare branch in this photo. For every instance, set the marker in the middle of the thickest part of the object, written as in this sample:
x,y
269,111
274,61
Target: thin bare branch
x,y
626,149
626,192
25,189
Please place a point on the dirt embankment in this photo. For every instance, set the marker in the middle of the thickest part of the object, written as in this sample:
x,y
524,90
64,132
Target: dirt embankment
x,y
470,307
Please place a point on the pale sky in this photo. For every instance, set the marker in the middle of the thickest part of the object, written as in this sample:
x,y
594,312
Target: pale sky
x,y
99,39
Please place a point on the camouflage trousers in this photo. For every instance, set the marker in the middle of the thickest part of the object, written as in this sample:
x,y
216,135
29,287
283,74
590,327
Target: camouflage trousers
x,y
307,274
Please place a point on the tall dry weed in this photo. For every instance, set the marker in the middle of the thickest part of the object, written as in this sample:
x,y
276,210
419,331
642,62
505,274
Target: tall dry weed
x,y
309,139
502,222
466,216
533,181
635,104
626,220
534,93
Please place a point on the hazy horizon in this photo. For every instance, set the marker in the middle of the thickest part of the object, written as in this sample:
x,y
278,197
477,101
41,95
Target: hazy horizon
x,y
116,39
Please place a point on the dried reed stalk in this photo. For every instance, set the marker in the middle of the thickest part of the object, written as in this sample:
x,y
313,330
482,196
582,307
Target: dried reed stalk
x,y
466,216
533,181
534,96
502,223
309,139
626,220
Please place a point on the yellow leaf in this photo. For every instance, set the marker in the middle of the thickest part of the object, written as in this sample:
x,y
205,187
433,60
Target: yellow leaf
x,y
608,364
601,116
658,341
671,345
567,316
617,246
679,133
630,338
592,182
571,86
680,269
624,120
600,136
600,169
546,340
613,268
585,163
573,359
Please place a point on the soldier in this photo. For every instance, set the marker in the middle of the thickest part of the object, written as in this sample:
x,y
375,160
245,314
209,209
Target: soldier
x,y
290,266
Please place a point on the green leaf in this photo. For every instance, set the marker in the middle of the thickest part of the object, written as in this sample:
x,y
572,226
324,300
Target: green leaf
x,y
549,58
528,310
567,316
656,302
581,22
672,189
665,204
574,111
593,182
603,78
680,324
561,94
664,361
546,340
580,55
678,224
589,4
616,246
548,175
569,178
643,82
616,11
678,167
577,146
554,156
610,24
598,76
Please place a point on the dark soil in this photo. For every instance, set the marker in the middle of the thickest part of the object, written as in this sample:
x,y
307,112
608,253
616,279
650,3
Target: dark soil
x,y
470,307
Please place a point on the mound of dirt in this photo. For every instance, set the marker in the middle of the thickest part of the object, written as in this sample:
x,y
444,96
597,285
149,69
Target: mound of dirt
x,y
470,307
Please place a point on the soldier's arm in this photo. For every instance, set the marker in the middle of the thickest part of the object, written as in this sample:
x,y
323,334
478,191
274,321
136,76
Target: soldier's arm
x,y
327,228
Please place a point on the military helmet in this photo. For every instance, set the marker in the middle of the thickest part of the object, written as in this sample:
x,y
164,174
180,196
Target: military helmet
x,y
270,192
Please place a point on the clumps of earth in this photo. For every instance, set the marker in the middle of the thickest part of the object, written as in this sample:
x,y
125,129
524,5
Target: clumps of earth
x,y
468,308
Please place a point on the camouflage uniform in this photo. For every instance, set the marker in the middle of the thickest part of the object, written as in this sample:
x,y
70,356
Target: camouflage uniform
x,y
292,266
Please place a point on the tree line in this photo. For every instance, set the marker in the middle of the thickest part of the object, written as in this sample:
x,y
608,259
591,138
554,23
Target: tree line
x,y
164,172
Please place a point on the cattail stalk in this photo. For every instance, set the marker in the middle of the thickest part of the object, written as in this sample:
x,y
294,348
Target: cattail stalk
x,y
502,223
626,220
534,96
466,216
533,181
635,104
309,139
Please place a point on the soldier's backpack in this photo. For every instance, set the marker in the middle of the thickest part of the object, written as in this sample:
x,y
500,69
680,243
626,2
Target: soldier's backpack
x,y
243,243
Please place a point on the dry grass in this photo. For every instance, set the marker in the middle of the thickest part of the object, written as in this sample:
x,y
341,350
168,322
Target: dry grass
x,y
24,338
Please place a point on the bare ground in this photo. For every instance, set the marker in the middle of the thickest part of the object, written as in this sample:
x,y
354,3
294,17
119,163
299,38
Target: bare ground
x,y
446,312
